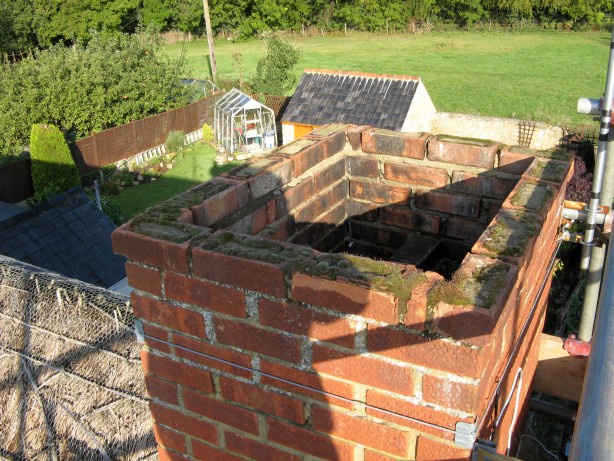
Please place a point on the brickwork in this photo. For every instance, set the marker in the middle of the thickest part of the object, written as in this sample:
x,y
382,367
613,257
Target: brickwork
x,y
264,342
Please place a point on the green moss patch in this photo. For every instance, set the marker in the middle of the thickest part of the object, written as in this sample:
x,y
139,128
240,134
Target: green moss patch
x,y
397,134
549,170
379,275
163,230
471,141
533,196
478,289
330,129
510,233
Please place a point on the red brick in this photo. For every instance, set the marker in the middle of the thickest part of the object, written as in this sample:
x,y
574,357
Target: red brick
x,y
258,340
250,395
308,157
320,204
335,140
414,348
256,450
365,370
294,196
432,450
448,203
177,372
408,219
363,166
309,442
462,151
301,321
271,178
484,186
144,278
169,439
329,387
225,413
220,205
329,176
168,315
355,136
161,389
361,430
362,210
514,162
156,338
282,230
464,229
449,394
416,317
375,456
413,174
391,143
376,192
345,297
205,452
260,219
205,294
189,350
183,423
239,272
166,455
153,252
416,411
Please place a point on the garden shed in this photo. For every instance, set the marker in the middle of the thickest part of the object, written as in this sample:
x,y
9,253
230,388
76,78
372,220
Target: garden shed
x,y
242,123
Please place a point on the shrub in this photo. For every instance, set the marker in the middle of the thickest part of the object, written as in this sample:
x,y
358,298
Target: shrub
x,y
53,168
175,141
207,133
274,71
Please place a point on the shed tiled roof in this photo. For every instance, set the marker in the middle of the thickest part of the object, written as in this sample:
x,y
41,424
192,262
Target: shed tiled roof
x,y
68,235
326,96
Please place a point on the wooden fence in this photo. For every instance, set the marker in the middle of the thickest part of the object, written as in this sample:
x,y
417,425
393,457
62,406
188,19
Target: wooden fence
x,y
124,141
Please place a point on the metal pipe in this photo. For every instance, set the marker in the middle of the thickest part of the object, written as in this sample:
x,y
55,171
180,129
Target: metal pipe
x,y
604,129
582,215
595,268
553,410
592,439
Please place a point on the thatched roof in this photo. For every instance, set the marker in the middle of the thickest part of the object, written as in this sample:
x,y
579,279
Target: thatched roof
x,y
71,384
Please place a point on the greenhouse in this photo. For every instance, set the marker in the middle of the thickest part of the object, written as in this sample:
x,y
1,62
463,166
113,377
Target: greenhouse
x,y
243,124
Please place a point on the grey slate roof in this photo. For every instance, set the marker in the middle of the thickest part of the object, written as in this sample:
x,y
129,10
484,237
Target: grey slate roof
x,y
66,234
323,96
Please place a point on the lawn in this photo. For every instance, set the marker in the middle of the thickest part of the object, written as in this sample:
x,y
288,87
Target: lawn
x,y
193,167
533,75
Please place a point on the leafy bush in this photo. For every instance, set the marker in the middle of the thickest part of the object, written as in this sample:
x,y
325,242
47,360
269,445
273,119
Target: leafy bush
x,y
112,209
274,71
207,133
175,141
53,168
85,88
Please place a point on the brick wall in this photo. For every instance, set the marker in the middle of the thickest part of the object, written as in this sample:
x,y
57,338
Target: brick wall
x,y
264,342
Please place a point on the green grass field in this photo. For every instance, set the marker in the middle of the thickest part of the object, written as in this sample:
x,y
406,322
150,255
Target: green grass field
x,y
193,167
532,76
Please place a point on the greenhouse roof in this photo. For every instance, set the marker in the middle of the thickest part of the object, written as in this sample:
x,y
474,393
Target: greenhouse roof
x,y
236,100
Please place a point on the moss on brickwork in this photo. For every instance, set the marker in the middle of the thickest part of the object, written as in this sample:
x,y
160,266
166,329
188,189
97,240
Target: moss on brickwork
x,y
384,132
481,288
379,275
549,170
164,230
171,209
532,196
555,154
510,233
462,140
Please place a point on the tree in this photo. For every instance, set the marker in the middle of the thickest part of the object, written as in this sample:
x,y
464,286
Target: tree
x,y
53,168
274,71
88,87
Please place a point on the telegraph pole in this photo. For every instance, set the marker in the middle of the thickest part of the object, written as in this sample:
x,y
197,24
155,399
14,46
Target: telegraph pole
x,y
210,41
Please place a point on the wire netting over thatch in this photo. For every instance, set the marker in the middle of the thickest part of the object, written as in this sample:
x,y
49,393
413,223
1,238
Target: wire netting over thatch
x,y
71,384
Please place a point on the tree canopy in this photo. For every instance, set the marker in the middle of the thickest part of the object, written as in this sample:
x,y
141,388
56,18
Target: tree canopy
x,y
41,23
81,88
